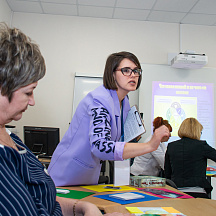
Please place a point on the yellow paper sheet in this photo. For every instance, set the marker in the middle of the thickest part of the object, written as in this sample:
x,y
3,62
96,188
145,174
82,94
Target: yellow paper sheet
x,y
141,210
101,188
134,210
170,210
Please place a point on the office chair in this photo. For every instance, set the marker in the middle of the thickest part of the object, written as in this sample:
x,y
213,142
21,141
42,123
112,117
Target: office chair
x,y
111,171
171,183
161,173
102,178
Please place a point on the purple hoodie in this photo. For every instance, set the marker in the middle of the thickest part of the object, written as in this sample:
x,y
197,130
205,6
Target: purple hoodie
x,y
93,136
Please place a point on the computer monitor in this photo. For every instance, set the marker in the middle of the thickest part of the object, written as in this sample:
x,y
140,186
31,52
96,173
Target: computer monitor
x,y
41,141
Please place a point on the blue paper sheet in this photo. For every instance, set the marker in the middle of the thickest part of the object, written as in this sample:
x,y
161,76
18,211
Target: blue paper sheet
x,y
123,202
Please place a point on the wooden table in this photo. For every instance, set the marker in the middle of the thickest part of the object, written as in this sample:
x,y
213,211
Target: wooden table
x,y
190,207
45,161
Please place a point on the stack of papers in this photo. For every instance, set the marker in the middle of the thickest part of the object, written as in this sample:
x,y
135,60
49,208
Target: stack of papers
x,y
62,191
211,170
127,196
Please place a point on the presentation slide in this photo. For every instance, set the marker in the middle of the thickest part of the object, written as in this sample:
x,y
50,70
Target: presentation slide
x,y
176,101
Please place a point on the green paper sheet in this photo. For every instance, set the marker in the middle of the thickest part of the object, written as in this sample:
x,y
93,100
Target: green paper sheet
x,y
74,194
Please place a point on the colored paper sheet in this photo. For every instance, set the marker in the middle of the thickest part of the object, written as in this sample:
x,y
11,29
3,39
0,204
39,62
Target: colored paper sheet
x,y
74,194
102,188
210,170
164,193
146,198
153,211
210,173
170,210
134,210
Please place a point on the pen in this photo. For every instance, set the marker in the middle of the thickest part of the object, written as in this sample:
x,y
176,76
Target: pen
x,y
111,187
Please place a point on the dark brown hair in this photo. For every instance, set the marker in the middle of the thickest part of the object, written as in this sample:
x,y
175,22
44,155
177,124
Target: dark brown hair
x,y
159,121
112,63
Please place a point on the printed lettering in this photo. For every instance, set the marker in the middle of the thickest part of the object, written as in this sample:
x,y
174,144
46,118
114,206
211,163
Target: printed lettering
x,y
108,133
97,144
110,147
104,147
107,123
97,122
100,117
94,110
104,111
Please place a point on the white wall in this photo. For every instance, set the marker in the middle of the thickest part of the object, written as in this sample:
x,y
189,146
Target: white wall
x,y
75,44
5,12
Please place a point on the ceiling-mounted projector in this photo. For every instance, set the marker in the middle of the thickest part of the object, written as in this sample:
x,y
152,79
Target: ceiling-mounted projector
x,y
189,61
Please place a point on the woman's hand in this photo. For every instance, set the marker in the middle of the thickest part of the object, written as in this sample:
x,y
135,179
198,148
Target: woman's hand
x,y
161,133
87,209
136,149
80,208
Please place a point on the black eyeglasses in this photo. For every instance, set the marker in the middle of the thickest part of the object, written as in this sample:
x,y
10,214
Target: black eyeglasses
x,y
128,71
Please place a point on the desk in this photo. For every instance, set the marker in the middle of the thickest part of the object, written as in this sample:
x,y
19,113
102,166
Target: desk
x,y
190,207
45,161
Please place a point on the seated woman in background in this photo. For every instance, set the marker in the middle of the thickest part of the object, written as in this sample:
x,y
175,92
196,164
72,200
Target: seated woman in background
x,y
186,160
152,163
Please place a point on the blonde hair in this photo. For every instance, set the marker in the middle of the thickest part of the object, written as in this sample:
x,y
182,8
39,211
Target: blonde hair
x,y
190,128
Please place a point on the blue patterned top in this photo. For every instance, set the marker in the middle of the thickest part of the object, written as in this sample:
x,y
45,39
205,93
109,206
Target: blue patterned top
x,y
26,187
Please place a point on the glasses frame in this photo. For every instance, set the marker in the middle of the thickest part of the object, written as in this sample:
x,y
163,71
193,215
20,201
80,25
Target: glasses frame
x,y
131,71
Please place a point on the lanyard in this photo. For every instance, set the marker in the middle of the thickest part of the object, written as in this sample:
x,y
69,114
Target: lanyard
x,y
122,123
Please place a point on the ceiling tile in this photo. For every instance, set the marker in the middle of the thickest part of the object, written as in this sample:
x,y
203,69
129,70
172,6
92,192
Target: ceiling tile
x,y
101,3
62,9
60,1
205,6
135,4
199,19
162,16
25,6
130,14
89,11
171,11
175,5
29,0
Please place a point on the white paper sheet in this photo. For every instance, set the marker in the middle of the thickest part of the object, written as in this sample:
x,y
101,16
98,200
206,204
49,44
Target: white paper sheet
x,y
122,172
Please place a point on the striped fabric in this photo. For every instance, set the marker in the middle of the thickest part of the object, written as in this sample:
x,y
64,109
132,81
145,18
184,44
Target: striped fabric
x,y
26,189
